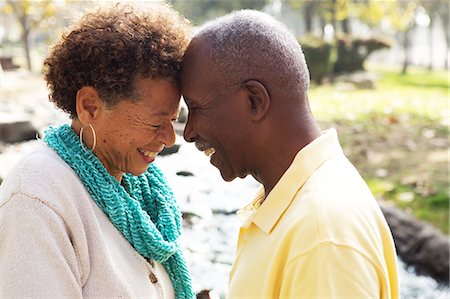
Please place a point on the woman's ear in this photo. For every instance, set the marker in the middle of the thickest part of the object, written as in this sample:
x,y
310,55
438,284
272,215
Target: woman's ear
x,y
88,104
258,99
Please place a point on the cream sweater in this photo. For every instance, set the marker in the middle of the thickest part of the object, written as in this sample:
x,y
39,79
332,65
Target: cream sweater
x,y
55,242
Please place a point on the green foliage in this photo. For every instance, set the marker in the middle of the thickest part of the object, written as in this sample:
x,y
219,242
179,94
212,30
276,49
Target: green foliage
x,y
318,55
199,11
327,9
352,52
418,79
371,12
401,13
335,9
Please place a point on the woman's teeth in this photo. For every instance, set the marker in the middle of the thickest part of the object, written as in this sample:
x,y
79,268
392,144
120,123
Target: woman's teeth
x,y
209,151
148,153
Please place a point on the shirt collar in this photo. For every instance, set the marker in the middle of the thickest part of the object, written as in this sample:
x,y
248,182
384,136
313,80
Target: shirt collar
x,y
307,160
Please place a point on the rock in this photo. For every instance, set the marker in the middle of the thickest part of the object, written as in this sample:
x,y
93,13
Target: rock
x,y
190,218
16,128
360,80
6,63
196,211
185,173
207,294
419,244
224,212
170,150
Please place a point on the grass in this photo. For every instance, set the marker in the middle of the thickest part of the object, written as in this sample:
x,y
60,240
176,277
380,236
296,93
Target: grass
x,y
397,135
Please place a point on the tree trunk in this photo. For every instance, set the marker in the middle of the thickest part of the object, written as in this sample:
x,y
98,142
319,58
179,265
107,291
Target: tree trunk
x,y
333,14
26,43
309,14
405,50
430,42
25,38
25,24
446,23
346,26
323,23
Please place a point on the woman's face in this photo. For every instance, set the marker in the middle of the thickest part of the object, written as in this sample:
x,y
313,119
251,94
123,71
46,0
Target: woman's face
x,y
131,134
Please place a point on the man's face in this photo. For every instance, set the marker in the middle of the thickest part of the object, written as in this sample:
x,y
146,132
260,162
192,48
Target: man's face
x,y
216,120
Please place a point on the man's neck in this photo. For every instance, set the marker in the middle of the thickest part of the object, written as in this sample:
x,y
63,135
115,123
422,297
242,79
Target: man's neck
x,y
279,158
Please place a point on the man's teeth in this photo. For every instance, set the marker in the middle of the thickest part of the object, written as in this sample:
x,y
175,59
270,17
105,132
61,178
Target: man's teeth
x,y
148,153
209,151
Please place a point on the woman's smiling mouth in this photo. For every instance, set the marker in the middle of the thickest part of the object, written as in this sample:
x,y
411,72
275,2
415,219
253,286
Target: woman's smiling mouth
x,y
148,156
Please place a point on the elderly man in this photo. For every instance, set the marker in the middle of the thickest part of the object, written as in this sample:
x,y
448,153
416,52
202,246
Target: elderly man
x,y
314,230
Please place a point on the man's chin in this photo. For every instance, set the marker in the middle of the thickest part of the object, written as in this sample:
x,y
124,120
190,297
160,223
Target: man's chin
x,y
225,172
230,177
226,176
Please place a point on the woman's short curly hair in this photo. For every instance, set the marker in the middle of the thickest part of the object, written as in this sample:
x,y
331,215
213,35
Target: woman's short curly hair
x,y
110,48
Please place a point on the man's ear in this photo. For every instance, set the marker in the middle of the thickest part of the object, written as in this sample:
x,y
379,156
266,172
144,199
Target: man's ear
x,y
258,99
89,104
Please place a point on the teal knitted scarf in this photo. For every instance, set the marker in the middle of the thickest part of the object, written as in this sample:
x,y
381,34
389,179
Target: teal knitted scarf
x,y
143,209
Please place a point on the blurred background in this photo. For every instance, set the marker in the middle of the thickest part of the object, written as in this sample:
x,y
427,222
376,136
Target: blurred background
x,y
380,76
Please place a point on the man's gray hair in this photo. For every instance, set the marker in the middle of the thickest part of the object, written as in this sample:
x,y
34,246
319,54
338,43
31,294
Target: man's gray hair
x,y
248,44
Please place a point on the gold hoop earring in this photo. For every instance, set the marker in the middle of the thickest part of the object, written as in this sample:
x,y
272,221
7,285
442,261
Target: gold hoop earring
x,y
93,135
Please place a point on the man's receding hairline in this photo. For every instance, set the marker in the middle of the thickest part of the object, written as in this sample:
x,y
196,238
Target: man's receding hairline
x,y
231,38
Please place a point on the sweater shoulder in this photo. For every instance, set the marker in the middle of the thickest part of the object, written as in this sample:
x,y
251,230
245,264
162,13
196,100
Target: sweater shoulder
x,y
43,175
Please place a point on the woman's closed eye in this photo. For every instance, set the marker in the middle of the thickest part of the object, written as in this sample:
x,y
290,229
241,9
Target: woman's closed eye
x,y
157,126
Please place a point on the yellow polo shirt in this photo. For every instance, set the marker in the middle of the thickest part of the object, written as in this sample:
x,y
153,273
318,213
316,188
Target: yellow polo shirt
x,y
319,234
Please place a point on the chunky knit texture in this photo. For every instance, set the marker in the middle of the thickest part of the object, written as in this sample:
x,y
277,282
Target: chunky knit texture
x,y
143,209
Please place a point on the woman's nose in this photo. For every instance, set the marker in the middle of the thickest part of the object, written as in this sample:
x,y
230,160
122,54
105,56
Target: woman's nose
x,y
169,135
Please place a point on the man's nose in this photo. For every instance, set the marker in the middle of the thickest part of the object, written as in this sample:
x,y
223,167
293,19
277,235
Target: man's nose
x,y
189,133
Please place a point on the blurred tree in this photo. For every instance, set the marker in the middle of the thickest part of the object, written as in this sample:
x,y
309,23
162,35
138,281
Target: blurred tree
x,y
437,8
444,12
200,11
371,12
31,15
308,9
318,54
332,12
338,11
352,52
401,15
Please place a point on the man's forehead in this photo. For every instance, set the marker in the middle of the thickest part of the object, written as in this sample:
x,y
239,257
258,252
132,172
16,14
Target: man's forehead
x,y
197,71
197,56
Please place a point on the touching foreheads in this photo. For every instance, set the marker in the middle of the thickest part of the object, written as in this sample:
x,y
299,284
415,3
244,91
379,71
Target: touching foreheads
x,y
249,44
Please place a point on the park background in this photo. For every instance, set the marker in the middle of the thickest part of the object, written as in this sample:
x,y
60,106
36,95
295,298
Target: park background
x,y
380,76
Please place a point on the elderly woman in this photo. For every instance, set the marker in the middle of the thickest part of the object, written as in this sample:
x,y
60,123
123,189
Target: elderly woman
x,y
88,214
